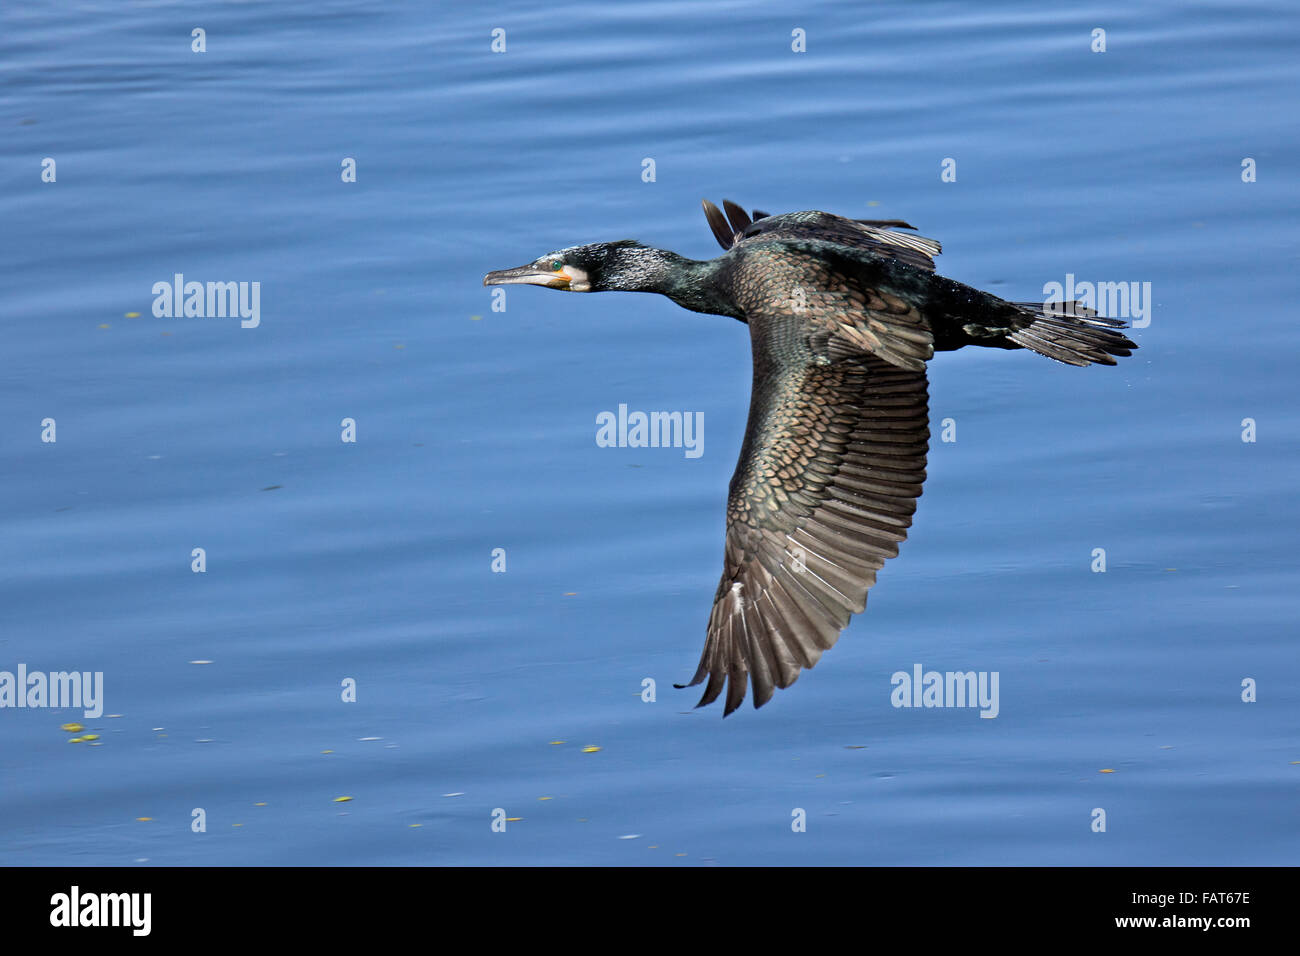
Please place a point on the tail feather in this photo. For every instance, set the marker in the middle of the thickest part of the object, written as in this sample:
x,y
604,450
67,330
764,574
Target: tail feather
x,y
1071,333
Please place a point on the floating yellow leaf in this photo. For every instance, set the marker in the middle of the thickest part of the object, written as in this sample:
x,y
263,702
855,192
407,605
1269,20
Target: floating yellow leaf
x,y
72,728
75,740
1106,771
513,819
144,819
590,750
342,799
555,743
259,804
90,736
545,798
133,315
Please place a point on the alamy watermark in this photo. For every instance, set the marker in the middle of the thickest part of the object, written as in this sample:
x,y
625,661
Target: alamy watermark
x,y
129,910
56,689
1114,300
212,300
922,688
651,430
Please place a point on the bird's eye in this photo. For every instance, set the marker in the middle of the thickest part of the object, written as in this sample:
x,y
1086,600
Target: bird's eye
x,y
555,265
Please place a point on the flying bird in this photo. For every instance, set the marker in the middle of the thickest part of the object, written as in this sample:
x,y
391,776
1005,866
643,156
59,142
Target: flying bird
x,y
843,315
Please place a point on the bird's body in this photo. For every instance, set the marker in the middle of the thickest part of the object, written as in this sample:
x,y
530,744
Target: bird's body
x,y
843,315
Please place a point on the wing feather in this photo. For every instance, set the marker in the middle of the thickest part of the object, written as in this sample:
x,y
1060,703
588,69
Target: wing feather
x,y
806,532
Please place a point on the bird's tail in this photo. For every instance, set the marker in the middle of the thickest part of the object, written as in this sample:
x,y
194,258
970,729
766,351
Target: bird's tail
x,y
1070,332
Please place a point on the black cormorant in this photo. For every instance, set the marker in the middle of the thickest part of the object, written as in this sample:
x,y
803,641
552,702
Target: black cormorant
x,y
842,315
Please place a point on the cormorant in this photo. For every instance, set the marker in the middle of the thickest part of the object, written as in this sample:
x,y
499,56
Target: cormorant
x,y
842,314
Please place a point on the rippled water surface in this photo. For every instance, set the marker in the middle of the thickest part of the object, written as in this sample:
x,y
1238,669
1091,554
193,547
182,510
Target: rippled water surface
x,y
372,561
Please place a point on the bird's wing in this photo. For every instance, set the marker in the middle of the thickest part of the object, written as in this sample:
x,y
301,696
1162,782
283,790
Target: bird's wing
x,y
833,301
868,235
832,464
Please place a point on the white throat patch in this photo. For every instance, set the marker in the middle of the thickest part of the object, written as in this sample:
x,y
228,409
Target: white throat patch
x,y
578,279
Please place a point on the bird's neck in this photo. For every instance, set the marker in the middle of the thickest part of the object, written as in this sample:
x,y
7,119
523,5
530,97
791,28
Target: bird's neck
x,y
692,284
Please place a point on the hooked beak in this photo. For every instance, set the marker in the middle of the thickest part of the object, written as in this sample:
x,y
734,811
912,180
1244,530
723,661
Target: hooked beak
x,y
529,275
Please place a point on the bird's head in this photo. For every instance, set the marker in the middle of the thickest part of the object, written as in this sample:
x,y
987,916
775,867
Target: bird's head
x,y
625,265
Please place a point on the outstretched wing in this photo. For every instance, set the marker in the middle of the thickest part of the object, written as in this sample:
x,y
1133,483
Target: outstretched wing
x,y
814,300
832,464
870,235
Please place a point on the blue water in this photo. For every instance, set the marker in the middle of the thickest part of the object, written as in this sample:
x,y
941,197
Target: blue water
x,y
372,560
